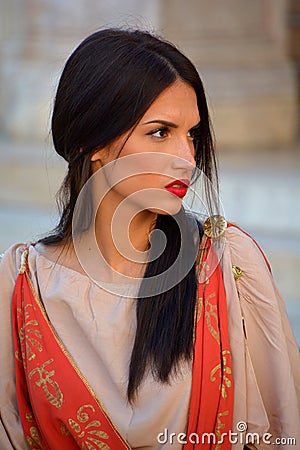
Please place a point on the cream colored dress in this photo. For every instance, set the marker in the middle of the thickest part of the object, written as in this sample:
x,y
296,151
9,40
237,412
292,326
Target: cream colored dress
x,y
98,330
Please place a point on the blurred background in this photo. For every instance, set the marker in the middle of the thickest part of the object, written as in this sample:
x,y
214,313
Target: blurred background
x,y
248,54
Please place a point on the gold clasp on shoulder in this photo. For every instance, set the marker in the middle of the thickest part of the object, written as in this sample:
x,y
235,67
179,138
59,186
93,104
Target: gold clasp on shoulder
x,y
24,257
215,226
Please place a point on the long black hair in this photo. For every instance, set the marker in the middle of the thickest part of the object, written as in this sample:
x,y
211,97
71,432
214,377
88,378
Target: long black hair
x,y
107,85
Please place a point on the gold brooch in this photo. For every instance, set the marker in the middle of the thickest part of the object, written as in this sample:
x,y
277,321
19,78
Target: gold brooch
x,y
237,272
214,226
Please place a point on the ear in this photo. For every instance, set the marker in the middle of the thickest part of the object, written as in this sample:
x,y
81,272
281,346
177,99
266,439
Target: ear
x,y
100,158
103,155
98,155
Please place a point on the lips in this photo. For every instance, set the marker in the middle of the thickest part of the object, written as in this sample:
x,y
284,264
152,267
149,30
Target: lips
x,y
178,187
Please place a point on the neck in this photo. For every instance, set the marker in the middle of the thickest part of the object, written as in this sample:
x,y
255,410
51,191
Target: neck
x,y
123,237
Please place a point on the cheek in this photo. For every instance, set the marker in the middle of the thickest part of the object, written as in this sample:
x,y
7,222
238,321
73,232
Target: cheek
x,y
146,192
140,182
134,173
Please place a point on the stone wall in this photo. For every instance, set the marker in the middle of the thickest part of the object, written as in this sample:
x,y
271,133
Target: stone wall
x,y
293,21
36,37
239,46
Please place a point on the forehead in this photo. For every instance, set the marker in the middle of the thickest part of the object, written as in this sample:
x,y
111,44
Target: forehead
x,y
177,103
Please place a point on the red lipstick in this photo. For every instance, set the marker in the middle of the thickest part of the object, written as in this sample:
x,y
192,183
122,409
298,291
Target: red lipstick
x,y
178,187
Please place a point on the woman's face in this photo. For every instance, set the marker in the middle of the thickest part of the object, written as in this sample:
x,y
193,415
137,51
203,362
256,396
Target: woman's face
x,y
161,151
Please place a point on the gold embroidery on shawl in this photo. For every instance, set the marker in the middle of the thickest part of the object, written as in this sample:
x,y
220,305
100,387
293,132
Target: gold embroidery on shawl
x,y
200,265
219,427
199,306
55,399
34,439
27,336
210,311
64,430
29,417
75,367
204,268
224,371
89,439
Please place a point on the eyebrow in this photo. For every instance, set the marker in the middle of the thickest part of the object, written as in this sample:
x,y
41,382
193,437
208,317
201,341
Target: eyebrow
x,y
163,122
168,124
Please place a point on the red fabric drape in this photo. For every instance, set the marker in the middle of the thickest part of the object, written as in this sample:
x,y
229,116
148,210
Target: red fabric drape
x,y
58,409
211,406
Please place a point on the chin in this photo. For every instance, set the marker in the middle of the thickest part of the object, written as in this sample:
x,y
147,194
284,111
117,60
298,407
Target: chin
x,y
170,208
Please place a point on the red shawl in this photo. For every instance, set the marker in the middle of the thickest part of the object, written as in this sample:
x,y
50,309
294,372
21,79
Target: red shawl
x,y
59,409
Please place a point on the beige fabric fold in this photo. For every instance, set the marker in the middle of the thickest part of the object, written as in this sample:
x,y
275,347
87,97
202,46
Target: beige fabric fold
x,y
266,371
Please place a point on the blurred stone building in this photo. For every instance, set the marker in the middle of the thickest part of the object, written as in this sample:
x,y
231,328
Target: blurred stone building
x,y
241,48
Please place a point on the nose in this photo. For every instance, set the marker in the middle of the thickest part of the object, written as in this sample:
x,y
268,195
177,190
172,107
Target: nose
x,y
184,158
183,166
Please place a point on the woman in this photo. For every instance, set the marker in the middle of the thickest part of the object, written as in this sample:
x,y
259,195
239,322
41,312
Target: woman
x,y
134,325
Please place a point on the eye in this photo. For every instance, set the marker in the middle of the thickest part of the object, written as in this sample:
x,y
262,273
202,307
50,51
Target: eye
x,y
194,133
160,133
